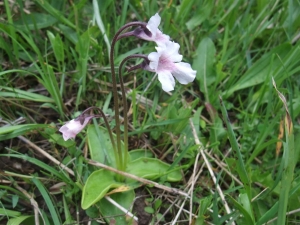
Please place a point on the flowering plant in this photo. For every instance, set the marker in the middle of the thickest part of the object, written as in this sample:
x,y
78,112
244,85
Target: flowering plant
x,y
166,62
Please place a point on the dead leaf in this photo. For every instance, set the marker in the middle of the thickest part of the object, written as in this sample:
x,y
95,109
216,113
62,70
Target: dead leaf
x,y
280,136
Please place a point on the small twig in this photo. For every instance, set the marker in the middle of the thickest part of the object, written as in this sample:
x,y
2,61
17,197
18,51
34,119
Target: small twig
x,y
46,155
223,168
15,122
259,194
184,210
166,211
121,208
33,203
203,118
142,180
191,183
192,186
2,181
201,150
175,220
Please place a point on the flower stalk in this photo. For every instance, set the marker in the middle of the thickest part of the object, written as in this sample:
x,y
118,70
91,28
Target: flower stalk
x,y
102,114
122,154
124,99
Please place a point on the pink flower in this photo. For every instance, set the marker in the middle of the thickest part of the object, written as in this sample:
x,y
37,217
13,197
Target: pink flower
x,y
156,35
73,127
166,62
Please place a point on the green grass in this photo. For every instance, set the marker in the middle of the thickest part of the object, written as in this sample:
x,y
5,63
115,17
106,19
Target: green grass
x,y
55,64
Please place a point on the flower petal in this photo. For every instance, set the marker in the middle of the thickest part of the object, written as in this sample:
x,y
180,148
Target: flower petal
x,y
184,73
169,51
67,133
152,27
154,58
161,38
167,80
153,24
73,127
67,136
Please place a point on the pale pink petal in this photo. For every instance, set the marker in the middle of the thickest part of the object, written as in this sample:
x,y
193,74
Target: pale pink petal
x,y
153,24
167,80
73,127
184,73
169,51
161,38
165,64
67,134
154,58
172,49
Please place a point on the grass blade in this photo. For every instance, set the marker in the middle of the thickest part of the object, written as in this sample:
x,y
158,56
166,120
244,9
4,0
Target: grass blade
x,y
241,166
289,163
48,201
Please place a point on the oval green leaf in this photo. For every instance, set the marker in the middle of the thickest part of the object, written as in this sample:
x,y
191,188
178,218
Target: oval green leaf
x,y
97,185
139,153
100,145
108,210
152,169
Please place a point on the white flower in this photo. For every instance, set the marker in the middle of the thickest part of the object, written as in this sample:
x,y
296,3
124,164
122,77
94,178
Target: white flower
x,y
73,127
166,62
156,35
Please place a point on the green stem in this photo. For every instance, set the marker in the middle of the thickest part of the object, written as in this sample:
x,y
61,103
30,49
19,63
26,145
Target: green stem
x,y
122,163
125,102
102,114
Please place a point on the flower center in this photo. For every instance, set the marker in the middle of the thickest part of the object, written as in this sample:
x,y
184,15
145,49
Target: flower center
x,y
165,63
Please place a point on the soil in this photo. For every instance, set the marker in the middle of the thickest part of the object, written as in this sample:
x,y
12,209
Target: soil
x,y
138,207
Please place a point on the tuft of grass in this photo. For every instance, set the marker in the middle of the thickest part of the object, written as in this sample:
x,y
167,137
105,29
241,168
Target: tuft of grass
x,y
54,64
